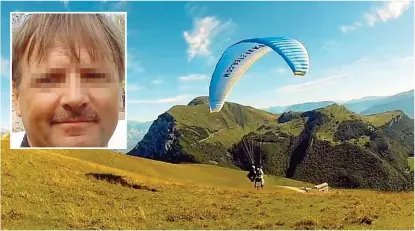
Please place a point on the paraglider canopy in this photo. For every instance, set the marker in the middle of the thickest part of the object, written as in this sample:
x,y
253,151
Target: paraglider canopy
x,y
238,58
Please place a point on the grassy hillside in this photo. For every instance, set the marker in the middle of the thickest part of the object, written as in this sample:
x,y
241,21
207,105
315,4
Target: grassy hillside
x,y
207,135
411,163
92,189
231,115
193,134
381,119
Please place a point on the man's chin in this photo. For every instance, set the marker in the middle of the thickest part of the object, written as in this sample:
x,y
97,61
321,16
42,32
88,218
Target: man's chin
x,y
78,141
77,135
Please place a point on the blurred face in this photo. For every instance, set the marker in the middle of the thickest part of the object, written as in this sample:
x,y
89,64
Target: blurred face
x,y
68,104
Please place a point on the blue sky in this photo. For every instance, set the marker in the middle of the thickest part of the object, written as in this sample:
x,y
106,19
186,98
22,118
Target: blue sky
x,y
356,49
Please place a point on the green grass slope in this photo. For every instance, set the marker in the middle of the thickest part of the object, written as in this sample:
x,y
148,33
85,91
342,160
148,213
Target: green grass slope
x,y
52,189
411,163
198,136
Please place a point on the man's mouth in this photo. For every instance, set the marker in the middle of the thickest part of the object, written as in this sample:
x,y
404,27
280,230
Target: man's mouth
x,y
75,120
74,126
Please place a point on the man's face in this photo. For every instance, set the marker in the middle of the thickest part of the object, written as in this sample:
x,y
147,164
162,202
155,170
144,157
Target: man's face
x,y
66,104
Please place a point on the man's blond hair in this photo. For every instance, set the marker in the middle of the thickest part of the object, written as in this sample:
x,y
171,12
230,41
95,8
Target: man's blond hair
x,y
96,32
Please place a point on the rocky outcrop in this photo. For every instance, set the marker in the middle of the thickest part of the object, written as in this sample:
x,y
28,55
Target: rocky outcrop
x,y
401,129
160,139
353,129
288,116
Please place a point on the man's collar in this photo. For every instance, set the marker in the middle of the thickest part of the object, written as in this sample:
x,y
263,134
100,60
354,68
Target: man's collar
x,y
25,142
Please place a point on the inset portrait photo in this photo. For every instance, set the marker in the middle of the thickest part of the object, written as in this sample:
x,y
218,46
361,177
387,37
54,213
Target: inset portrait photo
x,y
68,77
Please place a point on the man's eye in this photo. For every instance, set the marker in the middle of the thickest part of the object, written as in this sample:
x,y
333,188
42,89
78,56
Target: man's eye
x,y
93,75
51,78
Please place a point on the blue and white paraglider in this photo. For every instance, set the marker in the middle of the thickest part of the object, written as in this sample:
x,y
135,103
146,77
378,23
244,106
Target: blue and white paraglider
x,y
238,58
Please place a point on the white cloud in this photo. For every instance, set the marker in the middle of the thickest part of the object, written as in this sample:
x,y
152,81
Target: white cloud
x,y
175,99
200,39
311,84
407,60
157,81
391,9
349,28
371,19
5,67
195,9
193,77
363,60
357,24
346,29
133,63
281,70
134,87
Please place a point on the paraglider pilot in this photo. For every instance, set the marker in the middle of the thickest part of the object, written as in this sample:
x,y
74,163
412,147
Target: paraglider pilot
x,y
260,176
252,174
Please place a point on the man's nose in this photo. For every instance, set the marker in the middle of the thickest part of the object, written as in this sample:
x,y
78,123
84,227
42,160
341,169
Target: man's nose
x,y
75,97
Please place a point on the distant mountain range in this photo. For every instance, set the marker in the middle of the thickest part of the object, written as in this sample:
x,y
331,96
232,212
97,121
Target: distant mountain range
x,y
365,106
299,107
136,132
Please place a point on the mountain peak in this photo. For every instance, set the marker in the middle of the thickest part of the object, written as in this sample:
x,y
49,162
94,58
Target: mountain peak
x,y
334,107
201,100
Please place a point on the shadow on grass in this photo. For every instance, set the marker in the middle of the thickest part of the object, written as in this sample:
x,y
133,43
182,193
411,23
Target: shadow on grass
x,y
114,179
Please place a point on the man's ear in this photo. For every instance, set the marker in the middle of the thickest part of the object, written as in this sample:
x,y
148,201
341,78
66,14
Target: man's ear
x,y
16,100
